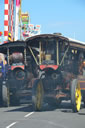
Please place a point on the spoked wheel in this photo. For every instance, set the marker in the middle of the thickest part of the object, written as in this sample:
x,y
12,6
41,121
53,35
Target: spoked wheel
x,y
37,95
1,95
5,96
75,95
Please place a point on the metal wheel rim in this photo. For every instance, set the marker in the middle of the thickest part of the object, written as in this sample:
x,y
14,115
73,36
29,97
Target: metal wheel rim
x,y
39,96
78,97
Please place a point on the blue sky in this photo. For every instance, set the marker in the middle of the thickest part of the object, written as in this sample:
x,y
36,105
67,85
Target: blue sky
x,y
64,16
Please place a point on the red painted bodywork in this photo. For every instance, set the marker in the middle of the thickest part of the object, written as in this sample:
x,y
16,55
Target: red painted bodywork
x,y
17,66
42,67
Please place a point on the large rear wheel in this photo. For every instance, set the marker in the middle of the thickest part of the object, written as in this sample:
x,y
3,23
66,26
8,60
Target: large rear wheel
x,y
1,94
5,95
37,95
75,95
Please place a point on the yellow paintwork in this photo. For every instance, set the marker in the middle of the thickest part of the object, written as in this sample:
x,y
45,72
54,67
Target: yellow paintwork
x,y
78,97
39,96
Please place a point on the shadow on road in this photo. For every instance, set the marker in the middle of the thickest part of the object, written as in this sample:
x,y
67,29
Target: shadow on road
x,y
64,107
29,108
21,108
81,114
67,108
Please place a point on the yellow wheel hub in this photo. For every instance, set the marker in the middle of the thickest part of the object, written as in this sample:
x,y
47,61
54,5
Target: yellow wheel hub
x,y
39,96
78,97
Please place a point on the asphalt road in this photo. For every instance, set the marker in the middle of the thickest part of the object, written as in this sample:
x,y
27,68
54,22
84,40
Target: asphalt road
x,y
24,117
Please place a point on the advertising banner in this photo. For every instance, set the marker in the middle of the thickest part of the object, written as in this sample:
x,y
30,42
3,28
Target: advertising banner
x,y
33,30
25,18
37,29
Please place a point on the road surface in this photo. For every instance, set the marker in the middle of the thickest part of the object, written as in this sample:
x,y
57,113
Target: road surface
x,y
24,117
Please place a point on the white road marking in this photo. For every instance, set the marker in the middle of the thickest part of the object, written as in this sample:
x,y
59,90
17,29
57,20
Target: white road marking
x,y
29,114
11,125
